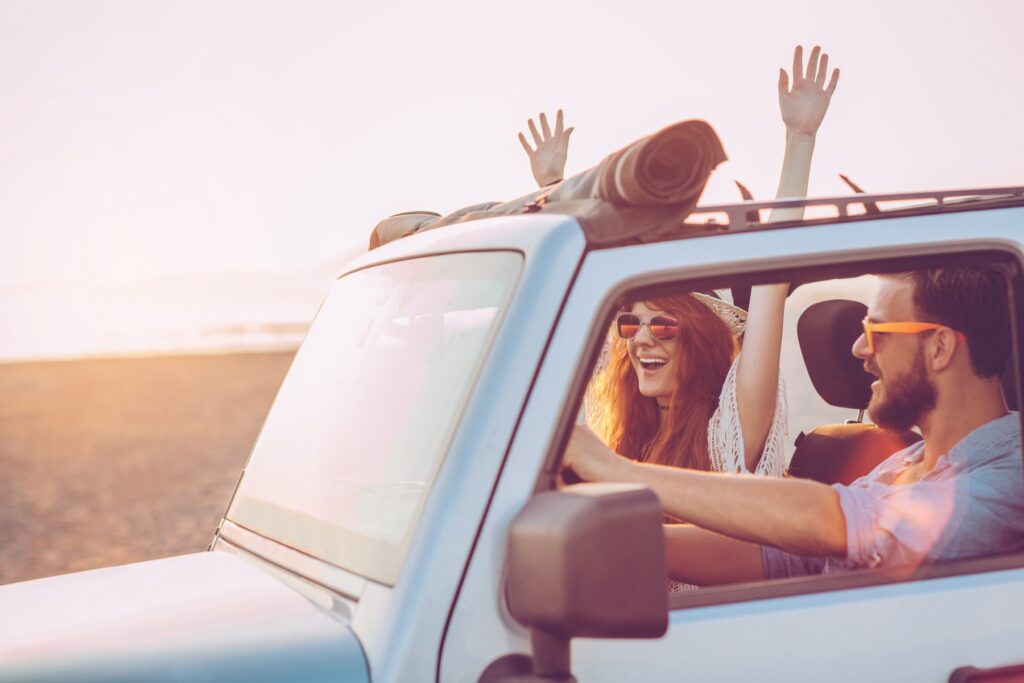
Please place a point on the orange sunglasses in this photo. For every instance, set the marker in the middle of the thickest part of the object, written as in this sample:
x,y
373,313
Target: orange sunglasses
x,y
870,329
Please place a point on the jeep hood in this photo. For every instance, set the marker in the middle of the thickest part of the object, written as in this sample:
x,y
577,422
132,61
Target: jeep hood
x,y
210,616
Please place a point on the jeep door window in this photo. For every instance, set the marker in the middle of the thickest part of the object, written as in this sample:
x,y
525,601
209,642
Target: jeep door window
x,y
364,418
834,387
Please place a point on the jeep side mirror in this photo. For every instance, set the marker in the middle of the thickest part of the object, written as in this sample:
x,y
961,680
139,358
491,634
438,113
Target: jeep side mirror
x,y
586,561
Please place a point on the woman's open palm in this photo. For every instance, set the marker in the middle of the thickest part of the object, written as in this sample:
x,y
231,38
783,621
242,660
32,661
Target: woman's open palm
x,y
547,159
804,105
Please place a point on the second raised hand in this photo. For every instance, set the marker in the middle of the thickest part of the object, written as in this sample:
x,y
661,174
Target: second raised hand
x,y
804,105
547,158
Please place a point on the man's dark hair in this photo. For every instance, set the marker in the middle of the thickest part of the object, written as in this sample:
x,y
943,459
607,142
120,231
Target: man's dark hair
x,y
973,300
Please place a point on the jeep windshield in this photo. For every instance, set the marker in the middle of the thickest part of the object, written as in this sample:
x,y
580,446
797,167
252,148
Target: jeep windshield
x,y
365,416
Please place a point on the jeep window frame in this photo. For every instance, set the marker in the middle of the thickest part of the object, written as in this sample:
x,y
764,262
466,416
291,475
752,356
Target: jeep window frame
x,y
639,289
375,558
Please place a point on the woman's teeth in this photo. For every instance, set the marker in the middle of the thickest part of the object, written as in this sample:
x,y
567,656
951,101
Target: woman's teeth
x,y
652,363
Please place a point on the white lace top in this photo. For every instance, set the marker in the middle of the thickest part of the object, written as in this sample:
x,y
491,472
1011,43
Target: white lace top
x,y
725,435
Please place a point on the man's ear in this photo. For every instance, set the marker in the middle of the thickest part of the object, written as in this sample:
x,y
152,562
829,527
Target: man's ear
x,y
944,347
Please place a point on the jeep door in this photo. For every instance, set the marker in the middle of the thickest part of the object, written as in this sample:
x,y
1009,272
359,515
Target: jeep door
x,y
856,626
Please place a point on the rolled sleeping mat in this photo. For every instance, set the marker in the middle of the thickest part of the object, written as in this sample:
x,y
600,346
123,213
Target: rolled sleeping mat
x,y
641,192
670,167
411,222
400,225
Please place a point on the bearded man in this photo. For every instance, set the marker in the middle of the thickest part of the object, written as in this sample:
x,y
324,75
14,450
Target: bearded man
x,y
937,341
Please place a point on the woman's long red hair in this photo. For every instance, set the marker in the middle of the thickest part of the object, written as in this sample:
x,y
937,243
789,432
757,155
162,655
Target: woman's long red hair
x,y
627,421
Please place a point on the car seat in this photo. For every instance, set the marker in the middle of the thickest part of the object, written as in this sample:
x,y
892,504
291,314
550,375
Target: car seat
x,y
839,453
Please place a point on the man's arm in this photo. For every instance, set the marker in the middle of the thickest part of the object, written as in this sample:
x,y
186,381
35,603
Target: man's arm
x,y
704,558
795,515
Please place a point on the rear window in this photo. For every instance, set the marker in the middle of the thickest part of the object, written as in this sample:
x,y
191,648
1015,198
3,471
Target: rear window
x,y
363,420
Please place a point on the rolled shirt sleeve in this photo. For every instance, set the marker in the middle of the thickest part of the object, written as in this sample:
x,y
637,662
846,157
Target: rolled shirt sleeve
x,y
895,524
885,525
969,504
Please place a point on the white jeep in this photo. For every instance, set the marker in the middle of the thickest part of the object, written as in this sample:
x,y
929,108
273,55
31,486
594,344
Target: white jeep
x,y
399,520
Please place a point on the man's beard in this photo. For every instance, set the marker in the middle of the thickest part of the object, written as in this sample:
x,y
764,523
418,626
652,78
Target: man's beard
x,y
906,399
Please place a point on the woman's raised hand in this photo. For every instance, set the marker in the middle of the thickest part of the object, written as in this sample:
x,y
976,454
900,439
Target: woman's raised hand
x,y
804,105
547,157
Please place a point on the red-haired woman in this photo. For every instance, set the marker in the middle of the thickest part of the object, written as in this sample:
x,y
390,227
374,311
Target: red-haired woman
x,y
668,392
675,389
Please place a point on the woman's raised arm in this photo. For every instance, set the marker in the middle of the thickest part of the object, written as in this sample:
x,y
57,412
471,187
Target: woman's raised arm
x,y
803,106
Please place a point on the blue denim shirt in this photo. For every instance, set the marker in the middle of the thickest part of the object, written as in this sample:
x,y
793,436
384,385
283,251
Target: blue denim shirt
x,y
970,504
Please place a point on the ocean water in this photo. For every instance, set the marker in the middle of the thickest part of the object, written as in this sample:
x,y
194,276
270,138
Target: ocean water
x,y
201,314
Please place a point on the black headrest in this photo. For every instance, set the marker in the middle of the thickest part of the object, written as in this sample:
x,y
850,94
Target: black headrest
x,y
826,331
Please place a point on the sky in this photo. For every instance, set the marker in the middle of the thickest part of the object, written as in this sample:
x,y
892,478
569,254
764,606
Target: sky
x,y
176,142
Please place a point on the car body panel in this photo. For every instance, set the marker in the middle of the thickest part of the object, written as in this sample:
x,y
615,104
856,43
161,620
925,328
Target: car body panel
x,y
209,616
915,631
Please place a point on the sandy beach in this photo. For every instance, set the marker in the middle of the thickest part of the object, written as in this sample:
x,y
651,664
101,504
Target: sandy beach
x,y
111,461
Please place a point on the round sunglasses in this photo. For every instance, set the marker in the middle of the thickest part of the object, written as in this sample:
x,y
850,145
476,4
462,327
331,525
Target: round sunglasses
x,y
662,327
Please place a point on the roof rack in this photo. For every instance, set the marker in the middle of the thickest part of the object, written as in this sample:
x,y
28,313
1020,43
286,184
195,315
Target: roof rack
x,y
747,214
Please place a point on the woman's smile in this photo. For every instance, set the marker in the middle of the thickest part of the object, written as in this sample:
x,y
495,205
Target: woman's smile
x,y
651,365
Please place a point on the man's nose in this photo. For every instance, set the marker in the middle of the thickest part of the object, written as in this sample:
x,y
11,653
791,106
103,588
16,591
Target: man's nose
x,y
860,347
